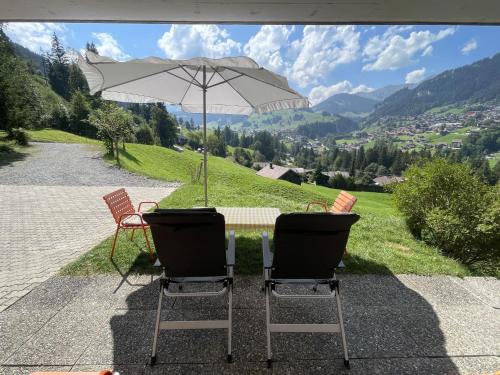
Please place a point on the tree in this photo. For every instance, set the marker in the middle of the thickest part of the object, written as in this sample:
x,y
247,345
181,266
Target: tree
x,y
79,111
319,177
145,135
91,47
114,125
58,68
76,80
216,144
20,101
164,125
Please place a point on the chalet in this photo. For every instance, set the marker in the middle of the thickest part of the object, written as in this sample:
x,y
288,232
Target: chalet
x,y
278,172
456,144
385,180
441,145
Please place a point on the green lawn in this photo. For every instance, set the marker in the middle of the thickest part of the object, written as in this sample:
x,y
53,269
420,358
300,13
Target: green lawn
x,y
379,243
52,135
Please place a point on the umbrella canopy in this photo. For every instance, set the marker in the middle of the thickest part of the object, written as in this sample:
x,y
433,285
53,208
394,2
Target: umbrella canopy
x,y
231,85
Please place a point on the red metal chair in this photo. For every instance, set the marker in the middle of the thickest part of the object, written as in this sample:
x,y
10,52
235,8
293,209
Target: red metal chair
x,y
126,217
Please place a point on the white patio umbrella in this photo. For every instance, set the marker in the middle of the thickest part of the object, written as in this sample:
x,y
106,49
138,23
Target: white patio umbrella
x,y
231,85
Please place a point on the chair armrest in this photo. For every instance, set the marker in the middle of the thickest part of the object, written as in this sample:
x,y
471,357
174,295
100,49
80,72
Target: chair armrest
x,y
231,247
267,256
134,214
141,203
322,204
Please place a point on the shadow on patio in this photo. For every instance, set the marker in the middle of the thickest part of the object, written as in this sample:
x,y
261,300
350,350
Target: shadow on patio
x,y
390,329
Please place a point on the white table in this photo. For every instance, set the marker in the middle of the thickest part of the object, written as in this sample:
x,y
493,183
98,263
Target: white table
x,y
249,218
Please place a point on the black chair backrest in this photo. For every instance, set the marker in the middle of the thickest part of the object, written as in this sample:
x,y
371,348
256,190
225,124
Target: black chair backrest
x,y
310,245
189,243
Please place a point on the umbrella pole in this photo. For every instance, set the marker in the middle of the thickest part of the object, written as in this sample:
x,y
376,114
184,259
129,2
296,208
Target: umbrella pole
x,y
205,169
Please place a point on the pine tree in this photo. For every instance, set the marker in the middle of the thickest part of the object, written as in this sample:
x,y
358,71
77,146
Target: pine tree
x,y
58,68
164,125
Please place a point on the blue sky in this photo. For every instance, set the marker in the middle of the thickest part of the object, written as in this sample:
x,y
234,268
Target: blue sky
x,y
318,61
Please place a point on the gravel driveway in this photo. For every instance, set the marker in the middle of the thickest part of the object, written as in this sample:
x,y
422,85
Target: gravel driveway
x,y
61,164
52,211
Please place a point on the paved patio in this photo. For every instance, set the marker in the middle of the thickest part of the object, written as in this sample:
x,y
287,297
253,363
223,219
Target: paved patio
x,y
52,211
395,325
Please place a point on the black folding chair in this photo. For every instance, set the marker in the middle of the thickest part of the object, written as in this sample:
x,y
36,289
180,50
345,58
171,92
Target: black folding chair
x,y
190,245
308,247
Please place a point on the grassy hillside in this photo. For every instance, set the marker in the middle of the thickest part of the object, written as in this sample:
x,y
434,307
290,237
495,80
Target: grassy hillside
x,y
380,242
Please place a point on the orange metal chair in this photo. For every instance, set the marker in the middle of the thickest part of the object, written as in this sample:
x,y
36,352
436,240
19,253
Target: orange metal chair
x,y
344,203
126,217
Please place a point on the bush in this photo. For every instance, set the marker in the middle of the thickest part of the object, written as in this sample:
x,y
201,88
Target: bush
x,y
145,135
447,207
19,135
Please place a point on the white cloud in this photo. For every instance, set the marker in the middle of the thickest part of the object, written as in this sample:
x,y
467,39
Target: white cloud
x,y
108,46
264,47
470,46
428,51
36,36
320,93
415,76
321,50
391,51
185,41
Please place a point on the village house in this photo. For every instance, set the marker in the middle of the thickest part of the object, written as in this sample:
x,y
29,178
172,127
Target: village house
x,y
385,180
278,172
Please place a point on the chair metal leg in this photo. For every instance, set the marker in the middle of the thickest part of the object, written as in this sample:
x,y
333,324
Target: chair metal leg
x,y
157,326
132,235
114,242
268,322
341,323
230,327
151,256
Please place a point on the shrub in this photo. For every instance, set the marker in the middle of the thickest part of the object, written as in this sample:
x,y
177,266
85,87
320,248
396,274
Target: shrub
x,y
19,135
446,206
145,135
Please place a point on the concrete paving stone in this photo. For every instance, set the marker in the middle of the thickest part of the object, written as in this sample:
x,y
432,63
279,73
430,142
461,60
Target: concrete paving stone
x,y
122,369
26,370
54,293
376,290
378,332
220,367
61,341
485,288
449,331
443,290
477,365
125,338
382,366
16,328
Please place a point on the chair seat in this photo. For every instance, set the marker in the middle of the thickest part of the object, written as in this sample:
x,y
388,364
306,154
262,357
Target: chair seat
x,y
133,221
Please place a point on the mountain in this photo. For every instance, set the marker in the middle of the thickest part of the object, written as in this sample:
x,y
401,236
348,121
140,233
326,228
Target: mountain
x,y
477,82
32,57
386,91
346,104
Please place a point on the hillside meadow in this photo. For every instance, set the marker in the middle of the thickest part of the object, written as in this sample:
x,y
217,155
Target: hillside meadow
x,y
379,242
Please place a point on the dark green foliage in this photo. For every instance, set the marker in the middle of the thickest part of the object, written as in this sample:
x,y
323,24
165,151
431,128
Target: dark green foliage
x,y
242,156
79,113
322,129
164,124
58,68
445,205
319,177
216,144
144,134
20,101
18,135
